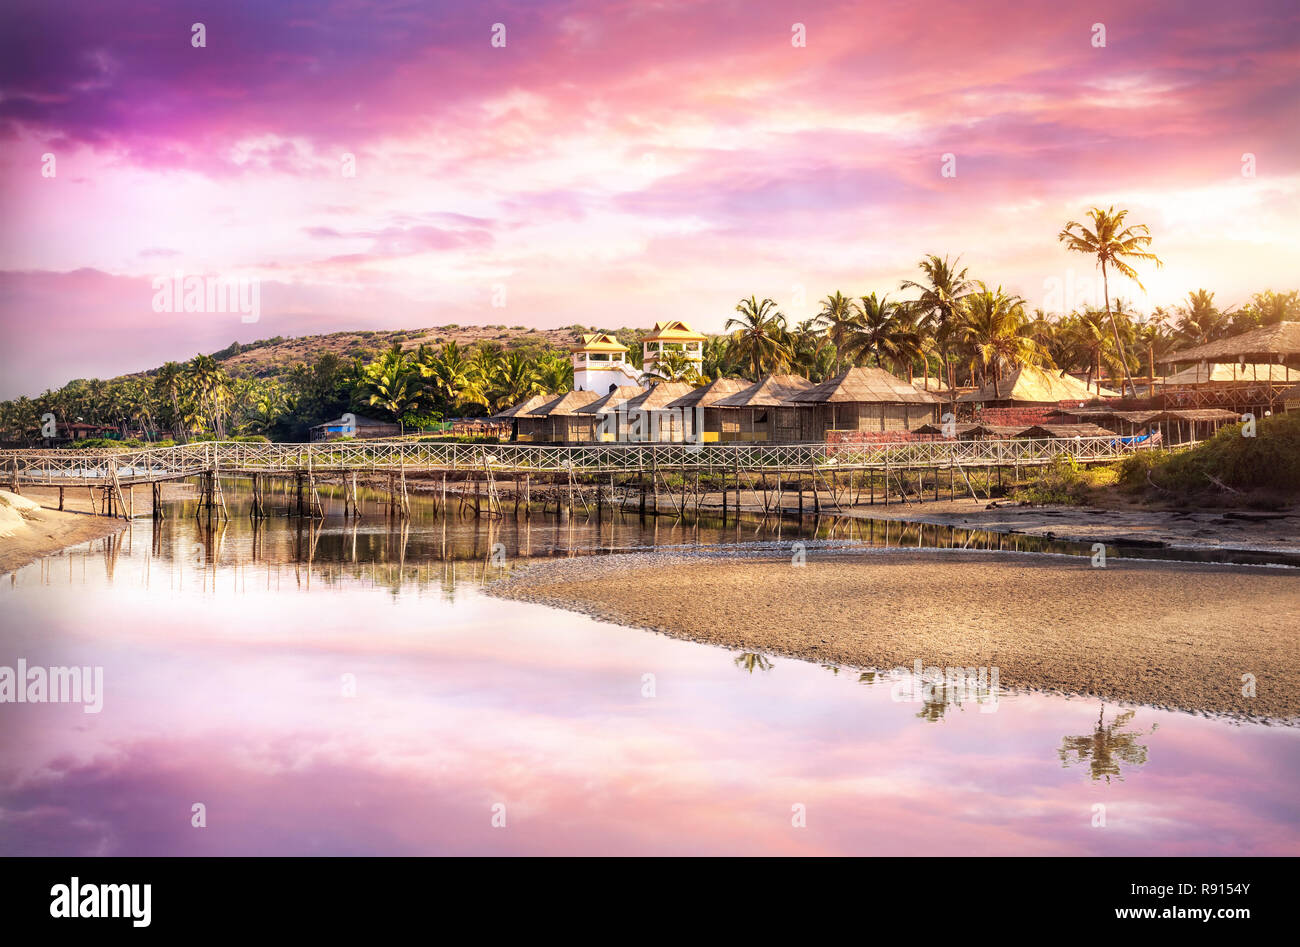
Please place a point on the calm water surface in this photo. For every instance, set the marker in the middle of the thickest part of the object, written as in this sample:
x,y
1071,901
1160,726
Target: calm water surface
x,y
229,655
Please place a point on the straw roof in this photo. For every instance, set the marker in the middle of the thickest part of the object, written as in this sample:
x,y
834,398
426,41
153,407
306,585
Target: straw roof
x,y
966,429
768,392
522,408
1218,372
706,395
659,396
1197,414
1037,385
1273,343
611,400
1065,430
935,384
874,385
563,405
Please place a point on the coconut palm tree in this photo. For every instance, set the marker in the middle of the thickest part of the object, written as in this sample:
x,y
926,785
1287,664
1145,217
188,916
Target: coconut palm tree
x,y
555,372
1107,747
883,330
942,289
517,381
449,377
838,319
1200,321
1113,244
993,324
672,366
211,387
759,336
392,384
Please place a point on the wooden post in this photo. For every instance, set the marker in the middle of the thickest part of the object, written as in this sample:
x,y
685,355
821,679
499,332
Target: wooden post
x,y
528,496
60,498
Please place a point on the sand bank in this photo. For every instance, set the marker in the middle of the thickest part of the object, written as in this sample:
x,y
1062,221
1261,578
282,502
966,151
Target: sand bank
x,y
28,532
1168,635
1224,529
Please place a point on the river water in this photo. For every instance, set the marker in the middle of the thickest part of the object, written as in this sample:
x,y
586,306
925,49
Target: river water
x,y
349,689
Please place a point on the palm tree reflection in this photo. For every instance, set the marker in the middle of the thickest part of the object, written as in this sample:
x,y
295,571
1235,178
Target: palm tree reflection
x,y
749,661
1106,747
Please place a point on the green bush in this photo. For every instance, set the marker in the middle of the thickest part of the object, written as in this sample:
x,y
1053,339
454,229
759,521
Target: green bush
x,y
1269,461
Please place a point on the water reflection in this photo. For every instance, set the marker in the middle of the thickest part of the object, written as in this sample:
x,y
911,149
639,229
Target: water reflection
x,y
223,645
751,662
1108,746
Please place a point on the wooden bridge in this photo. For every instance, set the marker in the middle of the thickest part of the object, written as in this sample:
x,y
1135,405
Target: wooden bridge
x,y
154,464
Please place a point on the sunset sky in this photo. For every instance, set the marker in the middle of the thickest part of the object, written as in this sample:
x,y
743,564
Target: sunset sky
x,y
615,162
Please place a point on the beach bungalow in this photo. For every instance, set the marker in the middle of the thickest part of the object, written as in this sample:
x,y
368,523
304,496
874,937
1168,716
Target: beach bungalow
x,y
512,414
586,426
764,411
863,399
672,335
551,423
705,398
649,416
1030,387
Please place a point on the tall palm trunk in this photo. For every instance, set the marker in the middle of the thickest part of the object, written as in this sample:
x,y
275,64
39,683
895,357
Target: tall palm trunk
x,y
1114,328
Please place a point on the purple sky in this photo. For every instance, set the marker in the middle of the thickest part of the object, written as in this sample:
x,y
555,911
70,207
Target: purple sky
x,y
613,163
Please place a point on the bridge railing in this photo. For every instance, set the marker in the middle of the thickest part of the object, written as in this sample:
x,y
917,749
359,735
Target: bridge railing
x,y
361,456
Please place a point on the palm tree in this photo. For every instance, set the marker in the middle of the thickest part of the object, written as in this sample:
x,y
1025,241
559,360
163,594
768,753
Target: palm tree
x,y
1113,245
993,325
883,329
1200,321
451,378
211,387
942,290
759,335
837,319
555,372
517,381
1106,747
672,366
391,384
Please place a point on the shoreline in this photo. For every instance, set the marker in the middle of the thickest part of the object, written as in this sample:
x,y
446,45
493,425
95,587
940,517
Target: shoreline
x,y
1138,632
46,532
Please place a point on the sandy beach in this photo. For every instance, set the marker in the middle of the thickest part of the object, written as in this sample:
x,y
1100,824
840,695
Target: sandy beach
x,y
28,533
1163,634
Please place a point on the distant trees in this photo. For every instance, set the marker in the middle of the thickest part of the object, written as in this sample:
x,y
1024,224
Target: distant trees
x,y
953,325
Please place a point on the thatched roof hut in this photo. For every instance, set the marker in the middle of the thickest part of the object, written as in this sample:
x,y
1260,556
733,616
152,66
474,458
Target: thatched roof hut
x,y
1031,386
703,399
550,422
1066,430
586,424
1278,343
649,416
863,399
522,407
1229,373
707,395
762,412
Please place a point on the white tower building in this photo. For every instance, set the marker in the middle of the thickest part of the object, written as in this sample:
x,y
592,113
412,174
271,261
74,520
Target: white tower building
x,y
600,363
